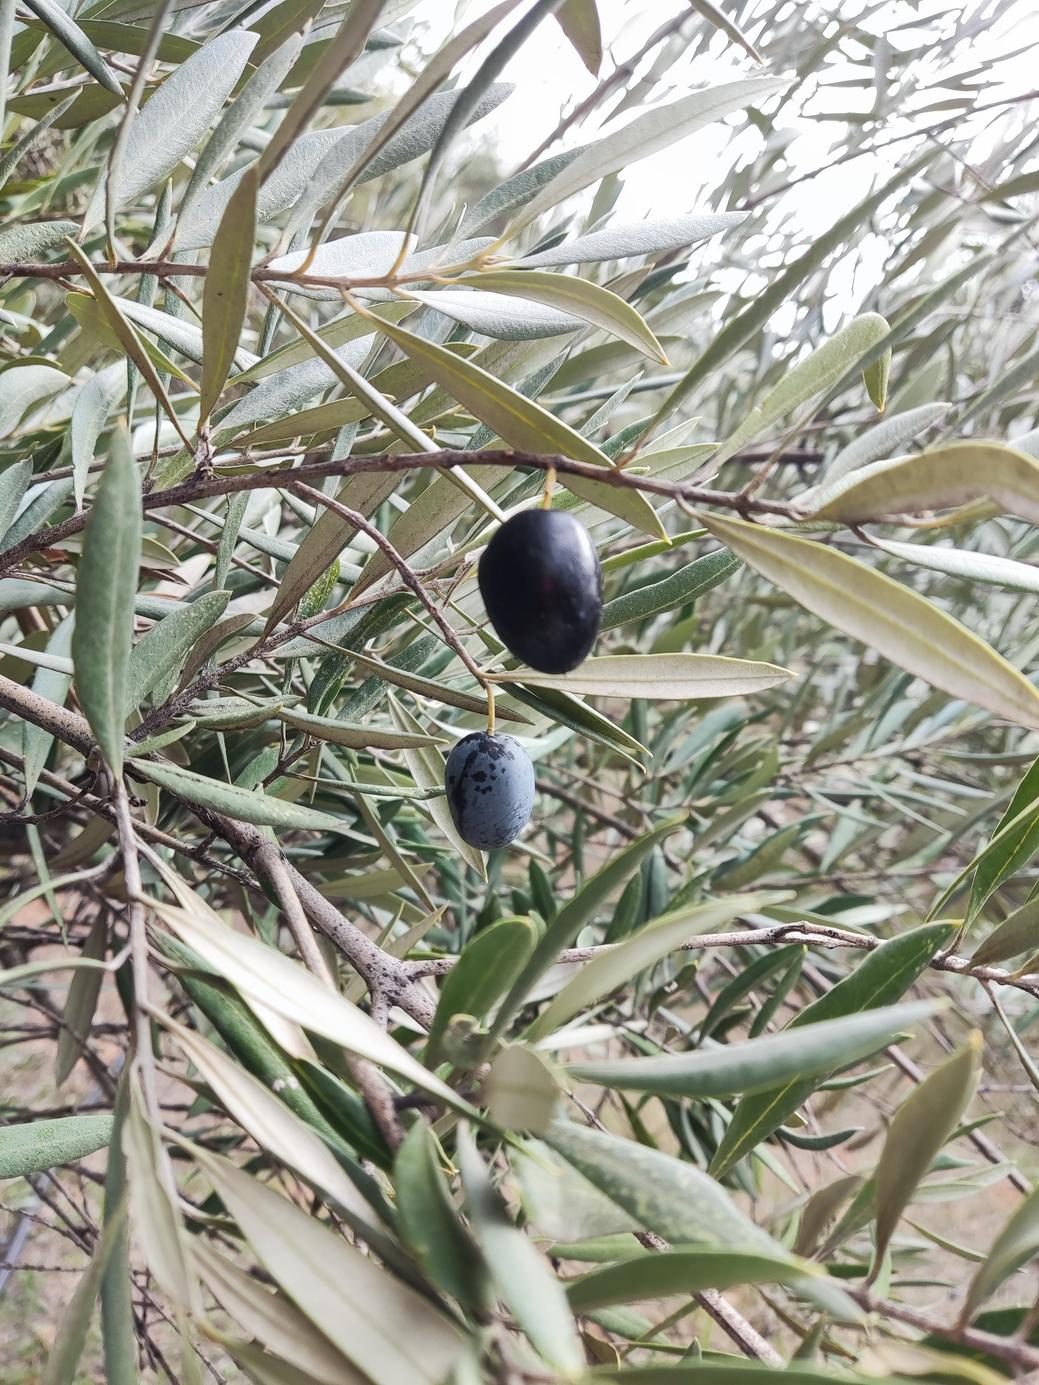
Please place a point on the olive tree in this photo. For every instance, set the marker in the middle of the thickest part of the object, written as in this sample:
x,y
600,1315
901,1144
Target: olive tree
x,y
516,711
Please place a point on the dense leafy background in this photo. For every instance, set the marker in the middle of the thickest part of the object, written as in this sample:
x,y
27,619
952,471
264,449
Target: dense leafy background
x,y
723,1067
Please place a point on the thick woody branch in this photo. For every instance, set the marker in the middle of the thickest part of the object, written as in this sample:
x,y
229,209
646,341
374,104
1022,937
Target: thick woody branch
x,y
780,934
203,486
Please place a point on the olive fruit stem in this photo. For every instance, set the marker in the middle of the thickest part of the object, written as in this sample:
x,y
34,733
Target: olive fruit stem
x,y
550,481
489,688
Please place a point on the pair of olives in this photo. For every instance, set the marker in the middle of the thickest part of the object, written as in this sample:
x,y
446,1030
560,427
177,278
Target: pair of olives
x,y
541,584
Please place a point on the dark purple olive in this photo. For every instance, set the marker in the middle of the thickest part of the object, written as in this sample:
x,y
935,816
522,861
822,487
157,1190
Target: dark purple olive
x,y
542,586
490,789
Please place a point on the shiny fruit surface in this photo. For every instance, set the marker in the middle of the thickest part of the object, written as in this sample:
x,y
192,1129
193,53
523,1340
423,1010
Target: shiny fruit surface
x,y
541,583
490,789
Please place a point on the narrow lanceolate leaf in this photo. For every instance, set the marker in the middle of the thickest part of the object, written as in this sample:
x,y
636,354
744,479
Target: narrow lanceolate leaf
x,y
273,1126
1016,1244
875,378
682,677
89,416
74,1323
880,979
642,238
809,377
53,684
523,1278
7,8
759,1064
1019,932
490,962
116,323
744,325
612,968
937,480
31,240
522,423
273,1319
679,1272
885,438
117,1320
342,49
82,1001
69,34
579,20
45,1144
966,564
14,482
430,1223
870,607
670,1196
581,297
105,606
158,655
154,1205
921,1126
385,1327
264,974
225,297
578,911
241,804
644,136
177,116
359,737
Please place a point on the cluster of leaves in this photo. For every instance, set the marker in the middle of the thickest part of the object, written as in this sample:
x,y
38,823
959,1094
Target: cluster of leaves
x,y
376,1107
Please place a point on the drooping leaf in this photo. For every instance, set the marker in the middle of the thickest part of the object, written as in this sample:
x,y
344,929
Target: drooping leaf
x,y
226,294
105,609
905,628
682,677
1016,1244
522,1277
758,1065
922,1124
379,1323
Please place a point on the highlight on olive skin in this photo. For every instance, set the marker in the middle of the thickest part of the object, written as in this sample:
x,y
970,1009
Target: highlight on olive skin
x,y
490,789
541,584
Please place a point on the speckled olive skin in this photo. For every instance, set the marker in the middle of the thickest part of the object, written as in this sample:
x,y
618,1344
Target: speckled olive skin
x,y
490,789
542,586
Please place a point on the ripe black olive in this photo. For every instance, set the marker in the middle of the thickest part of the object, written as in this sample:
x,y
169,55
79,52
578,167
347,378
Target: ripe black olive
x,y
542,586
490,789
